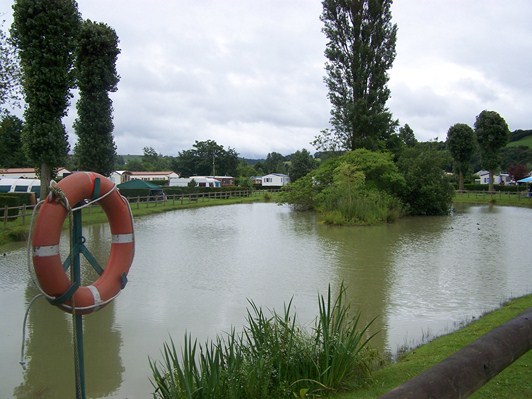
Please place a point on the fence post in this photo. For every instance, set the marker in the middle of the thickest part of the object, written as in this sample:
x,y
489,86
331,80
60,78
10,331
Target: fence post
x,y
6,210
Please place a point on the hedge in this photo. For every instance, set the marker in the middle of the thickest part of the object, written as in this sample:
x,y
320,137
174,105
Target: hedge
x,y
496,187
11,201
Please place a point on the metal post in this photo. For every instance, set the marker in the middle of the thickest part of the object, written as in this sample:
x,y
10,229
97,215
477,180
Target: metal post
x,y
77,319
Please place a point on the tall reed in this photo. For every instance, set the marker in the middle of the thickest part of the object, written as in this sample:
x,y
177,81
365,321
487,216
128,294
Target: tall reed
x,y
271,358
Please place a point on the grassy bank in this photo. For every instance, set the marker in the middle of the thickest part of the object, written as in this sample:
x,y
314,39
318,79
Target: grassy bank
x,y
17,230
500,198
514,382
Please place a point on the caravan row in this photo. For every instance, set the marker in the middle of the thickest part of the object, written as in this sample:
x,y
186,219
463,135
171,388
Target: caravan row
x,y
20,186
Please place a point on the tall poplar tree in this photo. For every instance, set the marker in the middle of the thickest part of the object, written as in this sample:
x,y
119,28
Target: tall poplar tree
x,y
45,34
97,76
9,73
360,50
461,145
492,134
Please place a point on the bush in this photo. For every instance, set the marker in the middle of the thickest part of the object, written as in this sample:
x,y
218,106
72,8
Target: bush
x,y
428,191
271,358
358,187
301,194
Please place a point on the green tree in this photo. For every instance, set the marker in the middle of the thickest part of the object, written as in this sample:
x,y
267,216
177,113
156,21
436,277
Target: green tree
x,y
259,168
515,156
360,186
428,191
360,50
461,144
45,33
135,165
492,135
152,161
244,169
9,73
407,136
274,163
11,153
301,163
302,194
206,158
96,56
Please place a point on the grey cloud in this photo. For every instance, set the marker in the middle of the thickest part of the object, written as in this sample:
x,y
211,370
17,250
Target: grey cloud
x,y
250,74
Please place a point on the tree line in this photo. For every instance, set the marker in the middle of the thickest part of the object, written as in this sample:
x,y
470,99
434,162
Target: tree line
x,y
58,50
377,172
208,158
52,50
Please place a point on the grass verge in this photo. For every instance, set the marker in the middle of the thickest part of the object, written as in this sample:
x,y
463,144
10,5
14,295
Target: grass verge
x,y
513,382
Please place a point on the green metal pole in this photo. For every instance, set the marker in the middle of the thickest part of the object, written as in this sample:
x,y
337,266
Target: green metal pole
x,y
77,237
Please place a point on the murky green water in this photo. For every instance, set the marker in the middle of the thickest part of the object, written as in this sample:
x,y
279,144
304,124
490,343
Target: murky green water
x,y
194,271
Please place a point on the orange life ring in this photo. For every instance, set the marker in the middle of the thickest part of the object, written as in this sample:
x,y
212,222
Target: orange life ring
x,y
52,278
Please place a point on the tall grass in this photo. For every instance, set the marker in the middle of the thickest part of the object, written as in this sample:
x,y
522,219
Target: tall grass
x,y
363,207
271,358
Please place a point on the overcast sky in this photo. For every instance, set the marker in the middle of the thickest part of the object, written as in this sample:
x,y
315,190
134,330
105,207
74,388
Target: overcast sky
x,y
249,74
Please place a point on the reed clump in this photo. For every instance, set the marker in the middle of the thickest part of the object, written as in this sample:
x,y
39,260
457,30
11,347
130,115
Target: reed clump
x,y
272,357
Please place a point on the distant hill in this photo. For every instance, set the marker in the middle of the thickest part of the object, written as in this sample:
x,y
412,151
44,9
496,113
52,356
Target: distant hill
x,y
520,138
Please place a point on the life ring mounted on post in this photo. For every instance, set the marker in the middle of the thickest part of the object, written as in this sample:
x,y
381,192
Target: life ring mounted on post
x,y
52,279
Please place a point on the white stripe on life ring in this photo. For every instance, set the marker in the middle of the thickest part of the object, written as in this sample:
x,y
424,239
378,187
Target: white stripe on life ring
x,y
122,238
95,294
50,250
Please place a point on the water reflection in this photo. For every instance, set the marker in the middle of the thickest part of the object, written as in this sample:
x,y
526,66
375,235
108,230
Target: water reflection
x,y
447,269
361,259
49,343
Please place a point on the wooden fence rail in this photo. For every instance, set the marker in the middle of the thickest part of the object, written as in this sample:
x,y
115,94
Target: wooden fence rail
x,y
526,195
23,213
15,212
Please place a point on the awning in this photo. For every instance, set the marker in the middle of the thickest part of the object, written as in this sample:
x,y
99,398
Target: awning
x,y
525,180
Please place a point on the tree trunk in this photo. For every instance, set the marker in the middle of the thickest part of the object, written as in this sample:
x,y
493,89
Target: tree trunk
x,y
460,181
46,177
491,189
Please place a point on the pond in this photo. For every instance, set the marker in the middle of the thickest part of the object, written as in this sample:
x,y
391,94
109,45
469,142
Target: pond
x,y
195,271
